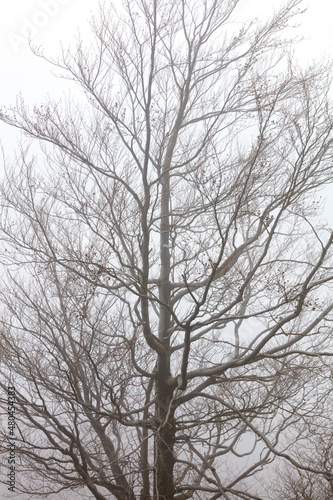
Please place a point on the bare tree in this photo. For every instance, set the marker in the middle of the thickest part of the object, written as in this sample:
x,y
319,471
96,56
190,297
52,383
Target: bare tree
x,y
168,280
313,448
300,484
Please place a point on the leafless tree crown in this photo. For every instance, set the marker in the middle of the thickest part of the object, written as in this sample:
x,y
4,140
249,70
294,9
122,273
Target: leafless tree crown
x,y
167,304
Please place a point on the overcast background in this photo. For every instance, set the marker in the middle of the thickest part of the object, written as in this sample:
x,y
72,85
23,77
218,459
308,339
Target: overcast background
x,y
50,22
53,21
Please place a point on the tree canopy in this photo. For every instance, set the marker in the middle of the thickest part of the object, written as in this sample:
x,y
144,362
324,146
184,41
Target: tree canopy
x,y
167,303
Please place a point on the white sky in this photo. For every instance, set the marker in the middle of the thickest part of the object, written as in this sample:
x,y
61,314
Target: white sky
x,y
52,21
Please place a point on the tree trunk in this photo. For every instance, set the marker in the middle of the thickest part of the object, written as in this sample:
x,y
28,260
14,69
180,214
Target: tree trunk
x,y
164,484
